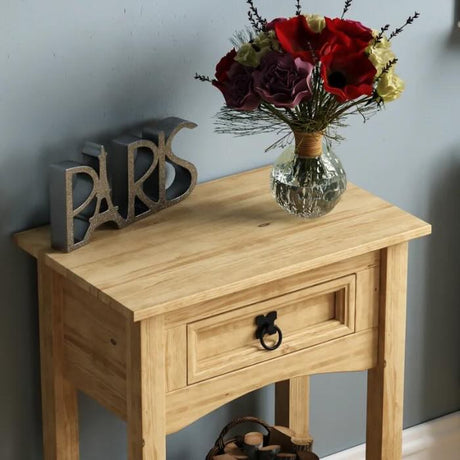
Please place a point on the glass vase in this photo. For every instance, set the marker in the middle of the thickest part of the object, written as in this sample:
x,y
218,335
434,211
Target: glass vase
x,y
308,179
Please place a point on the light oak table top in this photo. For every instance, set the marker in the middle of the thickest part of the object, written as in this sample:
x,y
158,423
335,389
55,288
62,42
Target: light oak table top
x,y
228,236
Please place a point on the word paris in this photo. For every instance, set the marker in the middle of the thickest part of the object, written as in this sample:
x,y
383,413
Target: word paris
x,y
145,174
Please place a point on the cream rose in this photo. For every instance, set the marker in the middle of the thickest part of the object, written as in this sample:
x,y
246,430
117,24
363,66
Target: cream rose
x,y
380,54
316,22
390,86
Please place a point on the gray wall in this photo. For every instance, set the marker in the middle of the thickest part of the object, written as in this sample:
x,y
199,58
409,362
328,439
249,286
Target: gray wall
x,y
85,70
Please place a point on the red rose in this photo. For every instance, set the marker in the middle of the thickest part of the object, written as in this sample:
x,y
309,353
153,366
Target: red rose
x,y
271,25
347,74
224,65
351,34
296,38
236,83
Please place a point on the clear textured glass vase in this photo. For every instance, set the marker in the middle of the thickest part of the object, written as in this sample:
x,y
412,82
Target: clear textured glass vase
x,y
307,184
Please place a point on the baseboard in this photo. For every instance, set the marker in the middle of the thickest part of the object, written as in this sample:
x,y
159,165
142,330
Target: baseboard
x,y
435,440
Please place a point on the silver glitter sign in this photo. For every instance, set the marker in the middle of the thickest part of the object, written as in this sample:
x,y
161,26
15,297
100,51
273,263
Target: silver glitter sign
x,y
146,177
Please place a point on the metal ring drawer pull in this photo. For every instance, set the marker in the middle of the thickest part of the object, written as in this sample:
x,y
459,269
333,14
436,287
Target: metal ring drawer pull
x,y
266,326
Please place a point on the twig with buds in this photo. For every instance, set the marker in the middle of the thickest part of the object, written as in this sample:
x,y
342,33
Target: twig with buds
x,y
387,68
409,20
256,20
202,77
298,7
346,7
379,37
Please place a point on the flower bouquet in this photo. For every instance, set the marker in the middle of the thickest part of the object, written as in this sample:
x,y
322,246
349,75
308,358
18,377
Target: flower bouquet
x,y
301,77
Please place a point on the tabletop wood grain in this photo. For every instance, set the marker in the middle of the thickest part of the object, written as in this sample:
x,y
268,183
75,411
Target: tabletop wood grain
x,y
227,236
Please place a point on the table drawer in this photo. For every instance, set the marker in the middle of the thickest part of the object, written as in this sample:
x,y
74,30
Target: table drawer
x,y
307,317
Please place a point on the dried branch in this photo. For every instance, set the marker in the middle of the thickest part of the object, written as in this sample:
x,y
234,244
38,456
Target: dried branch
x,y
255,25
256,20
387,68
346,7
298,7
381,34
409,21
202,77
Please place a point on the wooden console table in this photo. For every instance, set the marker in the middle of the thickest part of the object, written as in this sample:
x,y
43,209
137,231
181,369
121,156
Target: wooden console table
x,y
157,321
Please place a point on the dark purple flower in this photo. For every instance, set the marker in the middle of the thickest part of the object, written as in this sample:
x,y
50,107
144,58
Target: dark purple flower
x,y
282,80
236,83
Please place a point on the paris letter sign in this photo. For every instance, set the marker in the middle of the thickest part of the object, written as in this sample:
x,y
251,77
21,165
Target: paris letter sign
x,y
81,198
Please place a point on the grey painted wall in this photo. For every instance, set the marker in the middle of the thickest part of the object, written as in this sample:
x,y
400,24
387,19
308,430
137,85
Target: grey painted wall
x,y
84,70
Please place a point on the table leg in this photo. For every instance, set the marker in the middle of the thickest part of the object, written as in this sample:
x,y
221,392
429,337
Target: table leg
x,y
59,397
292,404
386,381
146,389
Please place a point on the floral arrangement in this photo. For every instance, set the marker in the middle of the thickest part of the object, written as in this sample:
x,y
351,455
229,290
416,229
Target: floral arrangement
x,y
306,73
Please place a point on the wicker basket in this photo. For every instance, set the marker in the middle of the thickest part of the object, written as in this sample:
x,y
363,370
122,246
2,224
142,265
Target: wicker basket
x,y
223,440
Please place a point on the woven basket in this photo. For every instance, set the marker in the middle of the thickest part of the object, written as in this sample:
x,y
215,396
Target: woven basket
x,y
221,442
223,439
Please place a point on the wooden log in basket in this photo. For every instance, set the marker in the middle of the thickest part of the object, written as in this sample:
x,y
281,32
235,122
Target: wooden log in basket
x,y
307,456
232,449
252,442
230,446
269,452
302,444
253,439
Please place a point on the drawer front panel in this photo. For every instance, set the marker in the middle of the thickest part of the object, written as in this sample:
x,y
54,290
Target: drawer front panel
x,y
307,317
